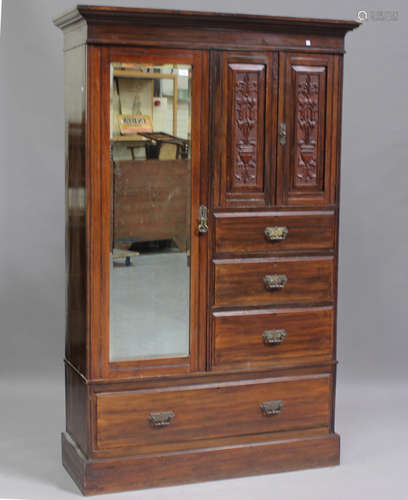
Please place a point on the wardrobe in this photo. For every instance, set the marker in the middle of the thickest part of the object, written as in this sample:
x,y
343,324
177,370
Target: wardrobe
x,y
202,193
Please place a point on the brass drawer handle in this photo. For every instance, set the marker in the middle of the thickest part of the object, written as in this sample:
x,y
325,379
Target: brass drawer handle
x,y
274,336
276,233
275,281
161,419
271,408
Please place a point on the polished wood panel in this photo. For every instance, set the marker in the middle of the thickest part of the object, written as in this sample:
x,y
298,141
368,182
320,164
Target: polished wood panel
x,y
77,407
208,377
107,25
306,171
97,223
191,446
199,296
187,36
205,412
240,282
244,233
239,342
133,16
76,241
244,123
126,473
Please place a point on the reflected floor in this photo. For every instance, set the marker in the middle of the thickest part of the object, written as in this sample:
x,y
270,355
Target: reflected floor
x,y
149,307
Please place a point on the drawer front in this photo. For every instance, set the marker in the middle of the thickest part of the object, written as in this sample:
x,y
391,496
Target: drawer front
x,y
245,338
205,412
258,233
242,282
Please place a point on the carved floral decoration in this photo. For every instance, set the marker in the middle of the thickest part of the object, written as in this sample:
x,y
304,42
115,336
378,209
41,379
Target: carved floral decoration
x,y
246,103
307,96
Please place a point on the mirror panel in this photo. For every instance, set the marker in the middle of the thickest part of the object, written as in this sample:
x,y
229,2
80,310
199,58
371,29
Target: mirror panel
x,y
150,210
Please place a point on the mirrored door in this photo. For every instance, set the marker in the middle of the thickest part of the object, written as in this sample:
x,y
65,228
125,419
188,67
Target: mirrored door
x,y
155,195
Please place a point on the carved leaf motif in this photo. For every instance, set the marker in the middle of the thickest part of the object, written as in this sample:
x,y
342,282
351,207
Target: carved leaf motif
x,y
245,111
307,100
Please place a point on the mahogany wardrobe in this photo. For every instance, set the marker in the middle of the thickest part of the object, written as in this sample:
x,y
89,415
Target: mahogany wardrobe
x,y
202,192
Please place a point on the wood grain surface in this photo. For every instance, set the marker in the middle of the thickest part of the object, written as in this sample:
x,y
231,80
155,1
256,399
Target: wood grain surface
x,y
240,282
238,337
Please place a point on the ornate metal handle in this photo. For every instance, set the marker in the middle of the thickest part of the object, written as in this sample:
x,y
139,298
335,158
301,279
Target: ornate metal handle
x,y
275,281
276,233
282,134
161,419
271,408
203,219
274,336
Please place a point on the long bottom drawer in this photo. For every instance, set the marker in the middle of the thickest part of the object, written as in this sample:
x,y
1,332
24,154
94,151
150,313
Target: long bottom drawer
x,y
148,418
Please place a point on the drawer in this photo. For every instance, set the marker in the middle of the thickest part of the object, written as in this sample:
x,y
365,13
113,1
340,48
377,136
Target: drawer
x,y
202,412
260,233
241,282
244,338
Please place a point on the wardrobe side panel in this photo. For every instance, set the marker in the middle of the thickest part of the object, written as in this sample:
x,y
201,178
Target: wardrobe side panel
x,y
75,166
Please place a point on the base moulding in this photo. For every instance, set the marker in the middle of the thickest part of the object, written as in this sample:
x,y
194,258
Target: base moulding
x,y
94,476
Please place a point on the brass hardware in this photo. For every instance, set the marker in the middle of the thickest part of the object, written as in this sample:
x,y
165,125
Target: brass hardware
x,y
275,281
274,336
282,134
271,408
161,419
203,219
276,233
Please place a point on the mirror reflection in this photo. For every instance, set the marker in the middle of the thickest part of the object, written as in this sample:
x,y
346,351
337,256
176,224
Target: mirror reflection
x,y
150,210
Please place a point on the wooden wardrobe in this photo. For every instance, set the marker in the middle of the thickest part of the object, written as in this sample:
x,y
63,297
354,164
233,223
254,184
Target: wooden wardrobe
x,y
236,375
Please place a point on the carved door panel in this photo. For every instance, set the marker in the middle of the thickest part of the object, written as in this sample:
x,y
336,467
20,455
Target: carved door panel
x,y
245,111
306,153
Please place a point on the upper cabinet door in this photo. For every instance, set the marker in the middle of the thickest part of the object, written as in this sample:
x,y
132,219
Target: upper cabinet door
x,y
308,116
244,121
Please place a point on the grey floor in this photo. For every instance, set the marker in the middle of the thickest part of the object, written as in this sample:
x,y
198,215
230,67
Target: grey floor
x,y
153,283
372,420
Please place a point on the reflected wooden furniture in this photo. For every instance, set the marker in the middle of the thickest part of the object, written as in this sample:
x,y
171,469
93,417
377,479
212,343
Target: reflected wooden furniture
x,y
256,393
154,214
